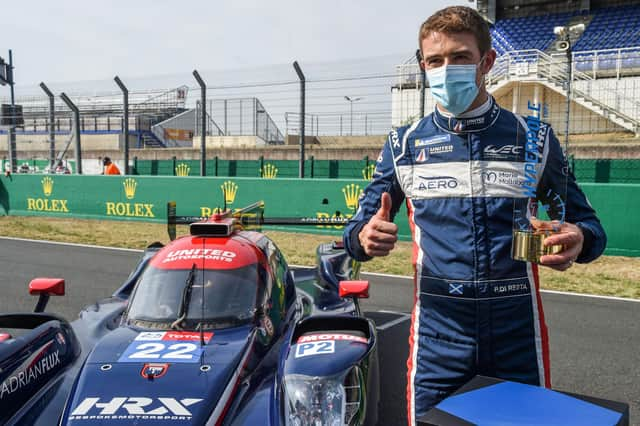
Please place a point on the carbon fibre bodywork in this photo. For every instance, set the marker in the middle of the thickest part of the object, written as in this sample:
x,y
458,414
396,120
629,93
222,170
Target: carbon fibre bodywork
x,y
302,343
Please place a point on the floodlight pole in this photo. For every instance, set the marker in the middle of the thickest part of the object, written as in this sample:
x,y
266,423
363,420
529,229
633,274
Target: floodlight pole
x,y
569,78
12,129
52,130
125,121
76,128
423,80
303,81
203,124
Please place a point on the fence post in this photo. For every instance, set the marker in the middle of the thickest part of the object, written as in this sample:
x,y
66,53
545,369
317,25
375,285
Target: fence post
x,y
76,120
311,160
203,124
215,166
173,165
302,117
125,125
423,81
52,130
261,165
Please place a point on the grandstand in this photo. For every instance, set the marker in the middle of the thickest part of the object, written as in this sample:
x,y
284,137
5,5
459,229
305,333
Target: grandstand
x,y
157,119
533,64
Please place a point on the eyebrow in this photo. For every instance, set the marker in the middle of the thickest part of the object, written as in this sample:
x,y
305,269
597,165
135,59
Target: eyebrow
x,y
455,52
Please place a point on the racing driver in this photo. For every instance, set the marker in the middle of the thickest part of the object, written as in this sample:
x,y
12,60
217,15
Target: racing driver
x,y
460,170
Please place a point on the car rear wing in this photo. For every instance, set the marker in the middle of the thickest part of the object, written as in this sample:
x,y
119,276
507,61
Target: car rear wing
x,y
247,218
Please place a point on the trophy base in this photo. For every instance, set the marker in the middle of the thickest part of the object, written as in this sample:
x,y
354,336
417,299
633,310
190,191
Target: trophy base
x,y
529,246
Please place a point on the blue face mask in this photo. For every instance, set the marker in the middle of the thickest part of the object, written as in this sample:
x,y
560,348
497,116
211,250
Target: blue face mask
x,y
454,86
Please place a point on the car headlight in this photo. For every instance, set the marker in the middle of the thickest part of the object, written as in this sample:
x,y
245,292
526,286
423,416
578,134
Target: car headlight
x,y
323,401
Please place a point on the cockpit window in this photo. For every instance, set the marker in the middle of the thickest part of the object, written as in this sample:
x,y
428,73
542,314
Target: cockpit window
x,y
229,296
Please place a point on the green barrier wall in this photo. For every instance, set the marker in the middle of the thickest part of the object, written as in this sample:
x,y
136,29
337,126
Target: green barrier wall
x,y
333,169
144,198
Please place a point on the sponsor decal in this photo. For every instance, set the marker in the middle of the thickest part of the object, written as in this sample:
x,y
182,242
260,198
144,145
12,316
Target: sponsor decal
x,y
422,156
182,169
473,121
535,141
229,191
352,194
394,139
440,149
433,140
154,370
173,336
269,171
47,204
151,335
168,346
492,151
134,408
208,254
368,171
129,209
315,348
331,336
437,182
497,177
37,365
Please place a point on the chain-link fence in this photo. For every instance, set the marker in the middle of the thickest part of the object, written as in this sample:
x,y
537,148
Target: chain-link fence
x,y
347,104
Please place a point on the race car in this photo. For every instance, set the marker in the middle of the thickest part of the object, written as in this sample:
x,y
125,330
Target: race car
x,y
215,328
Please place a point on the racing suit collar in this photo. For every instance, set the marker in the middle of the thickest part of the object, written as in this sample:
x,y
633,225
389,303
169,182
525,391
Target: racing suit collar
x,y
472,121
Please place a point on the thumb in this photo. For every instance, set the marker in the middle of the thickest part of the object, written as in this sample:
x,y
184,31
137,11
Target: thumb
x,y
384,212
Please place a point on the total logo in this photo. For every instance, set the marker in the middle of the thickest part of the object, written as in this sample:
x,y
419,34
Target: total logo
x,y
134,407
437,182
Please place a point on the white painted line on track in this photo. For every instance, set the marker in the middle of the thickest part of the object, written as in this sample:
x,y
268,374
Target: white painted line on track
x,y
60,243
563,293
595,296
389,324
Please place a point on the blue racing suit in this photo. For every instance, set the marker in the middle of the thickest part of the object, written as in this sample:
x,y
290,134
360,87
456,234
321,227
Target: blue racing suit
x,y
477,311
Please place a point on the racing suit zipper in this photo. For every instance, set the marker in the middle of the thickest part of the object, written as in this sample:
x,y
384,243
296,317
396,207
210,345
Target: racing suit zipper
x,y
475,249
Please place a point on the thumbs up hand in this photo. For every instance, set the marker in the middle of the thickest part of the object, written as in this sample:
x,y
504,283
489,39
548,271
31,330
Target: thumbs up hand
x,y
378,237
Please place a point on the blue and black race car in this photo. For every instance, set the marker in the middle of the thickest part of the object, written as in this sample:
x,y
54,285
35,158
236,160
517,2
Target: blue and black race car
x,y
215,328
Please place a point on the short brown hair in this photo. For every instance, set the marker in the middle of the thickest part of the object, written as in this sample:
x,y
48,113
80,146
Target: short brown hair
x,y
458,19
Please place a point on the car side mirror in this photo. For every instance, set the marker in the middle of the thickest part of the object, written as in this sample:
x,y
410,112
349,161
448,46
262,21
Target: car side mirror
x,y
355,289
45,287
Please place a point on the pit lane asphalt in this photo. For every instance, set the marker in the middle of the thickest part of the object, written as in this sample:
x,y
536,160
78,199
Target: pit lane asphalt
x,y
595,342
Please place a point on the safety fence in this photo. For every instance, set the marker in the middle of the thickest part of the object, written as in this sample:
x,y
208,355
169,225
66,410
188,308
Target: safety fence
x,y
585,170
144,198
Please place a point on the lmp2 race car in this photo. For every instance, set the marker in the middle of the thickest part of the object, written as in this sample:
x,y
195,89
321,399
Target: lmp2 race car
x,y
214,328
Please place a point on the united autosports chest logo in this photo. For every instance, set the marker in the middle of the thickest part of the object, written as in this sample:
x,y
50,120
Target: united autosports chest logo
x,y
128,408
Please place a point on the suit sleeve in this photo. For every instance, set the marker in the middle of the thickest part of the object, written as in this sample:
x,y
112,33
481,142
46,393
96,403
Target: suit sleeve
x,y
384,180
558,180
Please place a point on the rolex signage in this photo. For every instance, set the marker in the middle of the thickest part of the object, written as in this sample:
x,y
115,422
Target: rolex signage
x,y
351,193
47,203
130,209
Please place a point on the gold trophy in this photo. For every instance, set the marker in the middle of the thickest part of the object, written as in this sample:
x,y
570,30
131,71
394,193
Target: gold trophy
x,y
528,245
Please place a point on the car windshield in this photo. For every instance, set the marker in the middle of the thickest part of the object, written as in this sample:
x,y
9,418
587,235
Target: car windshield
x,y
229,295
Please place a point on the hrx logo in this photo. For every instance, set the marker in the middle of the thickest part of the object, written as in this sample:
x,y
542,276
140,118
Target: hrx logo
x,y
134,405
